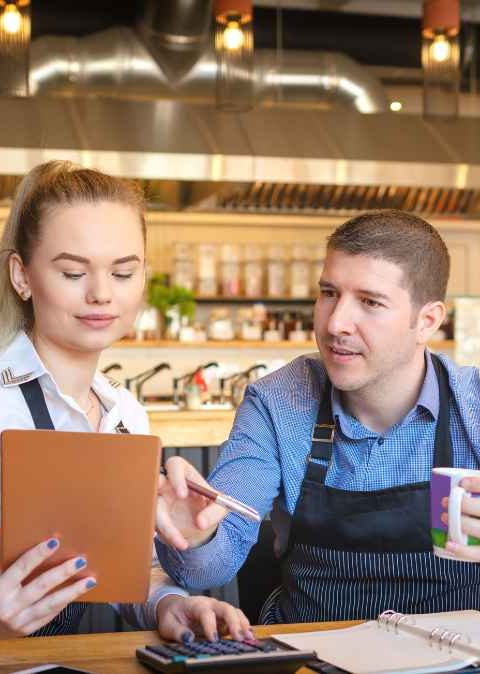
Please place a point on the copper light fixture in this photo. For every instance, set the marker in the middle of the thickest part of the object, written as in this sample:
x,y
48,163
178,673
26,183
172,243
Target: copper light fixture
x,y
14,46
234,50
441,57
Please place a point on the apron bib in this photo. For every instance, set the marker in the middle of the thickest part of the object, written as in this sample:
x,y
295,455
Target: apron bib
x,y
352,554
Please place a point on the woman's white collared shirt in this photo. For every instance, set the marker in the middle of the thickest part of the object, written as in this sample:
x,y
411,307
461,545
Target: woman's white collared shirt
x,y
19,363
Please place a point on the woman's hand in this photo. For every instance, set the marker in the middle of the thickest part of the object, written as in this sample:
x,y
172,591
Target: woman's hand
x,y
185,519
26,608
182,618
470,520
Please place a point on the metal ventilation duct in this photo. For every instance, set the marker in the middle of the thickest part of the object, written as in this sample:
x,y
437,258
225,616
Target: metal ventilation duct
x,y
116,63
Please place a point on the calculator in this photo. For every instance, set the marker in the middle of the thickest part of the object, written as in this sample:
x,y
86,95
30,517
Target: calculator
x,y
257,656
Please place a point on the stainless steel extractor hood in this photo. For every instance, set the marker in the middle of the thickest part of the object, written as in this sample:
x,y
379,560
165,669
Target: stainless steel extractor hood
x,y
174,140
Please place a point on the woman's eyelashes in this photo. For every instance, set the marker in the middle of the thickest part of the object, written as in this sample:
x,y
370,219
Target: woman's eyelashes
x,y
75,276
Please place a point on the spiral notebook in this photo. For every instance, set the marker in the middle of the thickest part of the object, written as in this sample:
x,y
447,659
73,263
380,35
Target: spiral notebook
x,y
394,643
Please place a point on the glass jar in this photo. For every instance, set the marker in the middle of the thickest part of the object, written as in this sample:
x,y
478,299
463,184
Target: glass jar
x,y
230,270
300,273
253,271
183,266
207,270
276,271
318,260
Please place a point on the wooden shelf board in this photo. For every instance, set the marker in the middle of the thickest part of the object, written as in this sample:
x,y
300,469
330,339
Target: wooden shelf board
x,y
241,344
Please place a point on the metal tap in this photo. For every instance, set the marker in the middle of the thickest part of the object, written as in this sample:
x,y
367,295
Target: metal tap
x,y
241,381
144,376
112,366
188,377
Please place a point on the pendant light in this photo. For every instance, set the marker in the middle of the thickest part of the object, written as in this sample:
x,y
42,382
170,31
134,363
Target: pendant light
x,y
234,51
14,46
441,57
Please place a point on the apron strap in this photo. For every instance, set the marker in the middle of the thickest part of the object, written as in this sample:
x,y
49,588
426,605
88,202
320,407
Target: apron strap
x,y
443,454
35,399
324,429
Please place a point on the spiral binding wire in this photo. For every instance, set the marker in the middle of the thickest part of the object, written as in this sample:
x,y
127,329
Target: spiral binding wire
x,y
391,618
438,636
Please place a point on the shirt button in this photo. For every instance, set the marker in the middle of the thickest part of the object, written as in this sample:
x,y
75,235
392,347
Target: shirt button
x,y
381,441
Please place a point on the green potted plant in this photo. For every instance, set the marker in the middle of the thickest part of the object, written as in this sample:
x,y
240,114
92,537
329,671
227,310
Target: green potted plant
x,y
172,302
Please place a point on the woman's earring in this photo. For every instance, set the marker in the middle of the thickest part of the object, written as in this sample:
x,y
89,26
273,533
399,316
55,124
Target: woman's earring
x,y
25,295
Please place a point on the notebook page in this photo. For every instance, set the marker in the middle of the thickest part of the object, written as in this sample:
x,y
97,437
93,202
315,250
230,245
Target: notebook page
x,y
368,649
466,622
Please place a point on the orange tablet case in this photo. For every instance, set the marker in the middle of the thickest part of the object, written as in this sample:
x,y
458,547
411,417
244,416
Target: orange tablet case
x,y
95,491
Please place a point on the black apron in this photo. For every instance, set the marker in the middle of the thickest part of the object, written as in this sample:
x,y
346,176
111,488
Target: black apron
x,y
68,620
353,554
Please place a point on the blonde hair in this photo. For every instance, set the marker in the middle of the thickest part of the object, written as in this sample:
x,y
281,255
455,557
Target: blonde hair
x,y
46,186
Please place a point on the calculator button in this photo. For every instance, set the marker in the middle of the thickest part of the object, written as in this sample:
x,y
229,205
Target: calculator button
x,y
245,648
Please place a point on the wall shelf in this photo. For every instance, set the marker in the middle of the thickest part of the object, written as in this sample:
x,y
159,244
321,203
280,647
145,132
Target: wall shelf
x,y
279,301
440,345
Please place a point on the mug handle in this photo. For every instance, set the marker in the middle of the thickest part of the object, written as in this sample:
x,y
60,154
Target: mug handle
x,y
455,533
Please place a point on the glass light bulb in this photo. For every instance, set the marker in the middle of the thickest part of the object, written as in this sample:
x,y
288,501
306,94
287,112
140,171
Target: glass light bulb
x,y
11,19
441,49
233,37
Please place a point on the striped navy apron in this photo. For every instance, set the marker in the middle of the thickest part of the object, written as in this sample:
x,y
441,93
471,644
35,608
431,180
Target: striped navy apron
x,y
352,554
68,620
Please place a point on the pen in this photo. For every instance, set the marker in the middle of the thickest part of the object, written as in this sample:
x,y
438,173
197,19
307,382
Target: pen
x,y
227,502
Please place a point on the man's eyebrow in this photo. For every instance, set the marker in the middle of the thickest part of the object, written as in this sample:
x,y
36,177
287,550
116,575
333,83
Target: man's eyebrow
x,y
85,260
361,291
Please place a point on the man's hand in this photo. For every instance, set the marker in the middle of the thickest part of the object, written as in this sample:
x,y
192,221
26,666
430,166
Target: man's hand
x,y
185,519
182,618
470,520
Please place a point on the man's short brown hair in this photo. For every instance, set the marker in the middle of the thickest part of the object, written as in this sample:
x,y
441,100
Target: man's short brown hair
x,y
404,239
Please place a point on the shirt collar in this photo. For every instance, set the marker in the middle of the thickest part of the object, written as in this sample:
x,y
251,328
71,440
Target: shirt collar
x,y
429,400
20,363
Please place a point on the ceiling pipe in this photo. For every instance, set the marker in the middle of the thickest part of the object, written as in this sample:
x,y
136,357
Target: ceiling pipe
x,y
175,32
116,63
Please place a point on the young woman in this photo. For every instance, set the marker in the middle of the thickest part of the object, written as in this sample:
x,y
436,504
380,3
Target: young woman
x,y
72,274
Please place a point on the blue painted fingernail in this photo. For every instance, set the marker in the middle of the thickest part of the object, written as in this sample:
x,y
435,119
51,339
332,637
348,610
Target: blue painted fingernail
x,y
90,583
80,563
215,636
187,637
53,543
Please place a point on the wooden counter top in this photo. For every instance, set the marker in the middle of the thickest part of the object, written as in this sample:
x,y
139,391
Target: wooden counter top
x,y
192,428
108,653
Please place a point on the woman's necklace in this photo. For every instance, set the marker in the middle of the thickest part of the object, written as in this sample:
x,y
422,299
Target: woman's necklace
x,y
91,398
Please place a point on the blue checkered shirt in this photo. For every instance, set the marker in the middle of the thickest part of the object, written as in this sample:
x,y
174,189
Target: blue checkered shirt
x,y
263,462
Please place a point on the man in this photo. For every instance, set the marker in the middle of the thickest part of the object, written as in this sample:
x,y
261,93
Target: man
x,y
340,448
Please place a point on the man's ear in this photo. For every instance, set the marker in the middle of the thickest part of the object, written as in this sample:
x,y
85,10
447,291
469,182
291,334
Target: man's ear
x,y
19,276
430,318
